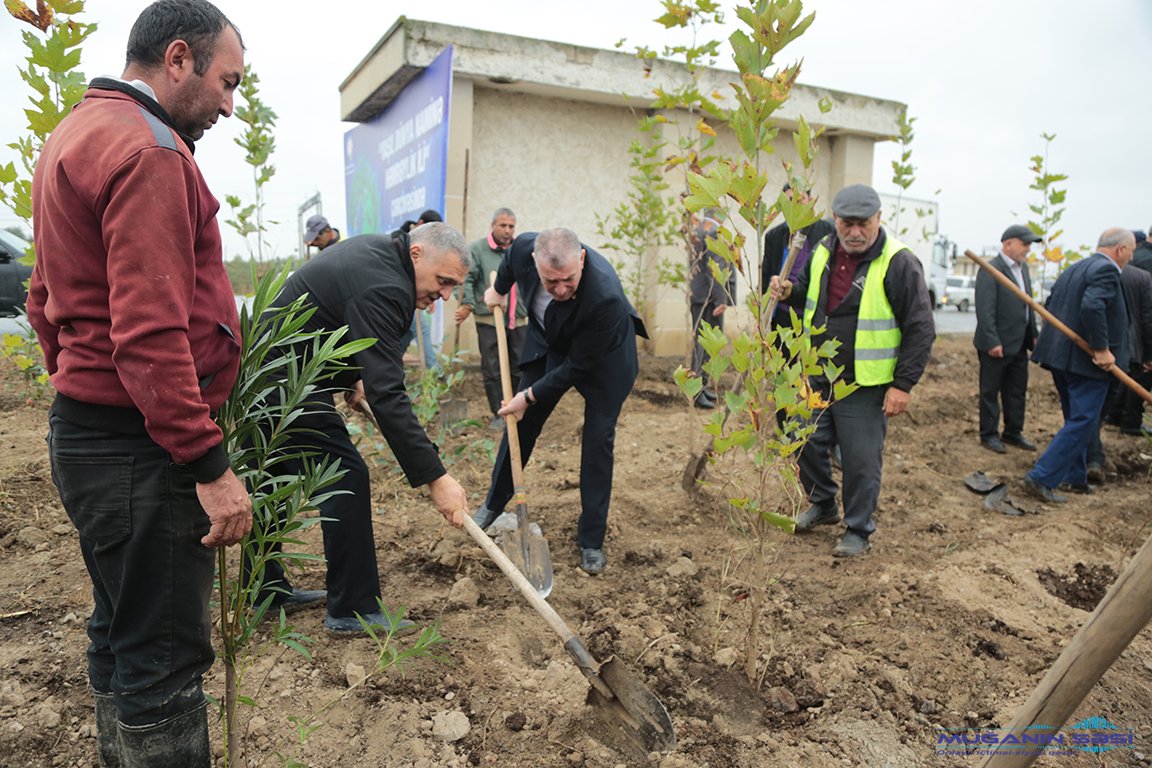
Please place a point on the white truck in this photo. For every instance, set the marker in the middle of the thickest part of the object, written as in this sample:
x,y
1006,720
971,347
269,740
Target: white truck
x,y
916,223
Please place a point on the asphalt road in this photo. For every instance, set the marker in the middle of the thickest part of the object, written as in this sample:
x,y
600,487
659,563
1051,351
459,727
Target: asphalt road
x,y
952,320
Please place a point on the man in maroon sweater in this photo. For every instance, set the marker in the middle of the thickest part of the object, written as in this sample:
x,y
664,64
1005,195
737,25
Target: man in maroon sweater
x,y
138,325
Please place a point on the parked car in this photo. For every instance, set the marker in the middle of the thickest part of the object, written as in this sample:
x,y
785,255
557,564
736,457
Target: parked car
x,y
961,291
14,273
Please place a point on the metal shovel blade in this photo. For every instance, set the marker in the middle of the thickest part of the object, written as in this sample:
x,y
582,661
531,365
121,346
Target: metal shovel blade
x,y
453,410
527,548
635,718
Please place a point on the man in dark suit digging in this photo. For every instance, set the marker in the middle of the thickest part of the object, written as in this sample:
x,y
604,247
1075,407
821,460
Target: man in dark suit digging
x,y
581,335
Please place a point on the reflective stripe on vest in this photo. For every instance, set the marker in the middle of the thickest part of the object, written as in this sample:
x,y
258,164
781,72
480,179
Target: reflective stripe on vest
x,y
877,334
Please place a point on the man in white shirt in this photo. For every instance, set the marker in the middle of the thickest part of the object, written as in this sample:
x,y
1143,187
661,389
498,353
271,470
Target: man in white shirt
x,y
1005,334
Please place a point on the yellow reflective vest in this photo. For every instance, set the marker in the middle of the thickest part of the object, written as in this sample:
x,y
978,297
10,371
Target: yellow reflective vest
x,y
877,334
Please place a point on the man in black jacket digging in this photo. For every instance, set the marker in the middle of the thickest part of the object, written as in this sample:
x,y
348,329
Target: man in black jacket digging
x,y
372,284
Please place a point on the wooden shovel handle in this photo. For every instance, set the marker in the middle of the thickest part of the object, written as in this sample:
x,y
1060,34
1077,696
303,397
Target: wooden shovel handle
x,y
1055,322
506,388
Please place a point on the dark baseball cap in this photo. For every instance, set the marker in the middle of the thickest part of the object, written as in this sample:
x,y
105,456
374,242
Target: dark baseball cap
x,y
315,225
858,201
1021,233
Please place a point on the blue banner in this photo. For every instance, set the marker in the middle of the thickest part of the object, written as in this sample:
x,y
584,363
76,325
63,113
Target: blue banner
x,y
396,166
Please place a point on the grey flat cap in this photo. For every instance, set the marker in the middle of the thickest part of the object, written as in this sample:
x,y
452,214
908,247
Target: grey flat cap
x,y
858,201
1020,232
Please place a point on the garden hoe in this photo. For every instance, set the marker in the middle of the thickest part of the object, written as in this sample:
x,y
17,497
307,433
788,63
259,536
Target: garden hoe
x,y
636,720
525,546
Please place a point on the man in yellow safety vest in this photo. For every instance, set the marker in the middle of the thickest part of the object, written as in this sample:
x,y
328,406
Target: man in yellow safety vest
x,y
865,289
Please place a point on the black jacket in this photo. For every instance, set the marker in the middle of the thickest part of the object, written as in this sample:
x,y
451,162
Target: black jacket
x,y
1137,287
776,241
1088,299
1002,318
368,283
907,292
590,340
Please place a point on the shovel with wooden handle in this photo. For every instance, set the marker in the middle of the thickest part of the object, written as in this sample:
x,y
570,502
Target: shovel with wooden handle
x,y
631,712
525,547
1054,321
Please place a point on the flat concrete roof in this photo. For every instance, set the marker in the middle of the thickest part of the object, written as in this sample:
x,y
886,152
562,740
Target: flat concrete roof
x,y
562,70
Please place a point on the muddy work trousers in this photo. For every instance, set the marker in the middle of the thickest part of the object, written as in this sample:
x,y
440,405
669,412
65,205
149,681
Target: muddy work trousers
x,y
140,526
858,425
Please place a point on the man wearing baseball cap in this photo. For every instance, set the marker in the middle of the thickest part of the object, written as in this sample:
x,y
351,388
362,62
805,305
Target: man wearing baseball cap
x,y
319,234
867,291
1005,334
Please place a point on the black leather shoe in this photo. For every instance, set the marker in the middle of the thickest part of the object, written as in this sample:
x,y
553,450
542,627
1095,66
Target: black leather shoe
x,y
851,545
703,402
1095,473
1020,442
351,625
1047,495
296,600
816,515
483,517
1082,488
592,561
994,444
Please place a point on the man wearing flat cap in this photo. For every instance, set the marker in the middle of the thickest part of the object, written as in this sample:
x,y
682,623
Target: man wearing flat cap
x,y
319,234
866,290
1005,334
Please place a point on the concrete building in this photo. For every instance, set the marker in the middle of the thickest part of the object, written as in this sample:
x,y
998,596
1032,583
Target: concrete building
x,y
544,129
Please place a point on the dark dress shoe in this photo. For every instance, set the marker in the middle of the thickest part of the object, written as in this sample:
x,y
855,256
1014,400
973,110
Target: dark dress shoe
x,y
1020,442
994,444
703,402
816,515
1095,473
1081,488
351,625
592,561
483,517
1047,495
851,545
296,600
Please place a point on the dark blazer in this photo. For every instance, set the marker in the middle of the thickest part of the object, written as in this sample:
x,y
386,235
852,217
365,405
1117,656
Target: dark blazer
x,y
368,283
1002,319
1137,287
590,340
1088,299
703,287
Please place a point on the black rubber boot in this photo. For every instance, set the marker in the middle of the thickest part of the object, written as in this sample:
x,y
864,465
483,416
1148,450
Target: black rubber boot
x,y
178,742
107,733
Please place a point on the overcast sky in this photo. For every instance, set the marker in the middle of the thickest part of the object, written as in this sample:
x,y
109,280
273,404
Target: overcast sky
x,y
984,81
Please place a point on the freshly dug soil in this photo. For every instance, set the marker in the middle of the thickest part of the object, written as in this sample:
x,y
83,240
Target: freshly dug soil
x,y
950,621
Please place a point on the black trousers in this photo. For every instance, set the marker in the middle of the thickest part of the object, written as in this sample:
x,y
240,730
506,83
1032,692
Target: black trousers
x,y
490,361
1127,409
597,458
1003,380
140,525
353,580
858,425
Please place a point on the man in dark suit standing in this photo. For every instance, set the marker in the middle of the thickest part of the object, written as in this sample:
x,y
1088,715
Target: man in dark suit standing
x,y
1087,298
581,334
1005,334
